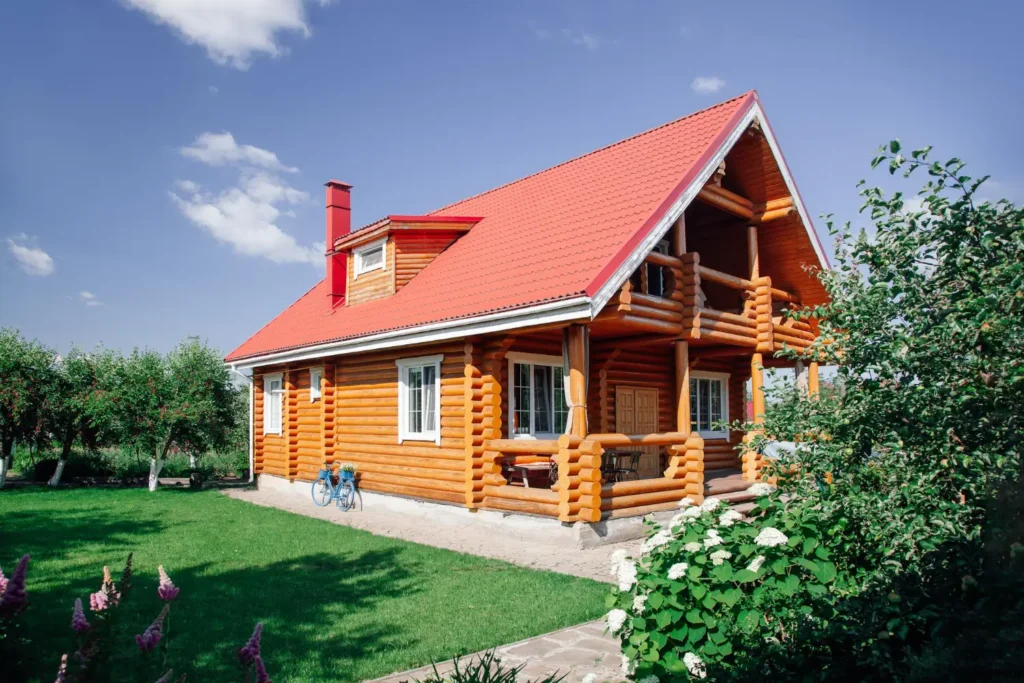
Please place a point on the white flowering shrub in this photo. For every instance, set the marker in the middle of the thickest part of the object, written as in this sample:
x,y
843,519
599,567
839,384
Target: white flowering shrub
x,y
714,593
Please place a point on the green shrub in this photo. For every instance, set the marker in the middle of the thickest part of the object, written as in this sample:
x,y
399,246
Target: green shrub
x,y
715,592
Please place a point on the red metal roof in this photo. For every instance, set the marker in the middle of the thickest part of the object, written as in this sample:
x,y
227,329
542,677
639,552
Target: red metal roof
x,y
554,235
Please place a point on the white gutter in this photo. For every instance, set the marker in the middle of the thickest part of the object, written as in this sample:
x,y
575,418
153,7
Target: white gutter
x,y
558,311
252,409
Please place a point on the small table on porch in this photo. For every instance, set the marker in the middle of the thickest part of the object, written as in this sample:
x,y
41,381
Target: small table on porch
x,y
535,468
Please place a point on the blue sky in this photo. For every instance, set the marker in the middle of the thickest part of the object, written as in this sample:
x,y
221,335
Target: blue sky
x,y
161,167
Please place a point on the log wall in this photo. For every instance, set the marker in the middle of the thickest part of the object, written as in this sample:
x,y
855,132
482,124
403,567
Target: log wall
x,y
414,250
376,283
366,426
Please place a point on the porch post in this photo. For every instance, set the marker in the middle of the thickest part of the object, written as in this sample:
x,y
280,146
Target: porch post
x,y
800,373
753,256
578,379
682,387
812,379
751,459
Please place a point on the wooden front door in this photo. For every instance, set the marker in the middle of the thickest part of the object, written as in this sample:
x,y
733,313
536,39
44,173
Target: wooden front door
x,y
636,412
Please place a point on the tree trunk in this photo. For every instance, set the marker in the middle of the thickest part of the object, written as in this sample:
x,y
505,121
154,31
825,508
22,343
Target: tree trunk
x,y
193,463
69,440
6,450
155,465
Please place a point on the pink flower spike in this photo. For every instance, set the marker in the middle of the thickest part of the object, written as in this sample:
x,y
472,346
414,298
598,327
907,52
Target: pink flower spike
x,y
167,590
78,622
3,582
14,598
107,596
251,650
149,639
261,671
62,672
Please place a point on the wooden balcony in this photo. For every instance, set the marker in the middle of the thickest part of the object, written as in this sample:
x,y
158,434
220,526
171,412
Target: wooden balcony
x,y
757,321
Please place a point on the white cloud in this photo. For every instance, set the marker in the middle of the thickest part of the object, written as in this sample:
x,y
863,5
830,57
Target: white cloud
x,y
32,260
187,186
214,90
218,149
704,85
245,217
89,299
232,31
581,38
574,36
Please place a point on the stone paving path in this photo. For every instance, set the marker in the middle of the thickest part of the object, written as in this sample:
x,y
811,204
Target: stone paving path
x,y
576,651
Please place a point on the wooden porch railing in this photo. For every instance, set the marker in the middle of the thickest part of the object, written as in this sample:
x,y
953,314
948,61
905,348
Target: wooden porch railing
x,y
579,493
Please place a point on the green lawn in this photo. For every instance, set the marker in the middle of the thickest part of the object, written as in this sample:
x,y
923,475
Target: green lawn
x,y
336,603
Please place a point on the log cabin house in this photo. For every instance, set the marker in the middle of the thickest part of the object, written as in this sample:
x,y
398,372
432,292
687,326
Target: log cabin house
x,y
614,305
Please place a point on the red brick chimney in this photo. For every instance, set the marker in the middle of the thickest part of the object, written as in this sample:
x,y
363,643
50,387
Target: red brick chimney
x,y
339,224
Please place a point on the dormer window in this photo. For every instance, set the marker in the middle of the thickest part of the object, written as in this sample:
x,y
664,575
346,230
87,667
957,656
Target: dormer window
x,y
370,257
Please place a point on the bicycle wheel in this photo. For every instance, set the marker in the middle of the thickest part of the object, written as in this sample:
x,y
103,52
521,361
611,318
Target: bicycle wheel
x,y
346,496
322,492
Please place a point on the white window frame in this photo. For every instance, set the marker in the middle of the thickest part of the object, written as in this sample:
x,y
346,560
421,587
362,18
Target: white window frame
x,y
360,253
531,359
268,397
724,378
315,391
404,433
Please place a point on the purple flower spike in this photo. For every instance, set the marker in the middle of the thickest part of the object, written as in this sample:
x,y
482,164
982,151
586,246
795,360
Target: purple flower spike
x,y
261,671
167,590
251,650
107,596
78,622
14,598
149,639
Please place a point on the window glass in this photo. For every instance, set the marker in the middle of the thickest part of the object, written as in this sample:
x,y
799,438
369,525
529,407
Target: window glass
x,y
315,376
274,402
543,393
429,398
370,259
414,419
522,389
561,406
707,405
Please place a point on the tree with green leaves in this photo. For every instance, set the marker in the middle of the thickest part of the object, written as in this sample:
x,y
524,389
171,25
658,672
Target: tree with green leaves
x,y
25,371
155,403
67,411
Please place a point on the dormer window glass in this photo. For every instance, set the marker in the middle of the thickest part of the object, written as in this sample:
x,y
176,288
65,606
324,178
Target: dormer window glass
x,y
370,257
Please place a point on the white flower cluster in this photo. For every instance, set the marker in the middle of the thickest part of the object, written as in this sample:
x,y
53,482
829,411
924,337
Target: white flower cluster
x,y
756,564
695,665
686,502
720,556
659,539
628,666
590,678
623,570
615,619
713,539
710,504
761,489
729,517
770,537
648,679
692,547
639,602
677,571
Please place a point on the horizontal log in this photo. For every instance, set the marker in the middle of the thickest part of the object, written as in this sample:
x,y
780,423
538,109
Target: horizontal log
x,y
614,440
726,201
727,338
415,492
725,316
525,446
536,495
650,498
664,260
707,323
528,507
725,279
655,302
629,488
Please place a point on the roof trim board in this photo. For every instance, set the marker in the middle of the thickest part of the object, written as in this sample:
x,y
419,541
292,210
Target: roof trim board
x,y
577,308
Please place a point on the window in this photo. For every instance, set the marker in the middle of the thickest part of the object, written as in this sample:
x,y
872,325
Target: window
x,y
538,404
370,257
419,391
273,402
657,280
709,403
315,376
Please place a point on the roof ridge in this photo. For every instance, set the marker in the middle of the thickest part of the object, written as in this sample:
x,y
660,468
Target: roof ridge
x,y
595,151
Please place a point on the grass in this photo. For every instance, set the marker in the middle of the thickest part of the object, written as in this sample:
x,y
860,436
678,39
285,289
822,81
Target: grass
x,y
336,603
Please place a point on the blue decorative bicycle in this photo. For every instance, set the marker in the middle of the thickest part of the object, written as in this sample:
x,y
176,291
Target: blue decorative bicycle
x,y
324,491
